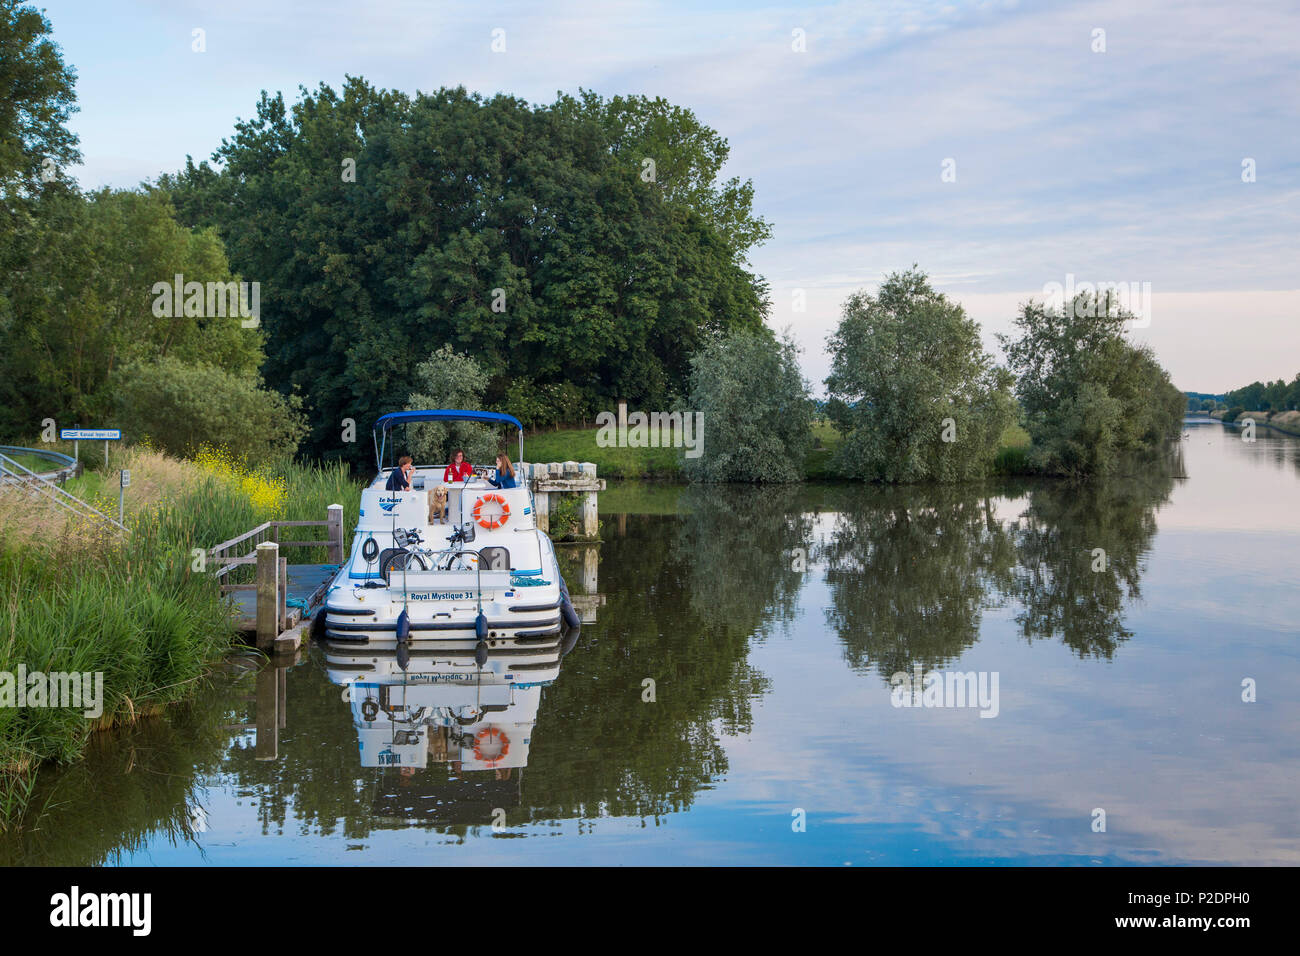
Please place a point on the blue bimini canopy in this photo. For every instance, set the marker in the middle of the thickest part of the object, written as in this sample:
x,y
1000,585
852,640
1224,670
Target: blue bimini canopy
x,y
385,424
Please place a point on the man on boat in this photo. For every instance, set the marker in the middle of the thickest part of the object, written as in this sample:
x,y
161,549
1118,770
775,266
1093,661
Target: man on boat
x,y
400,479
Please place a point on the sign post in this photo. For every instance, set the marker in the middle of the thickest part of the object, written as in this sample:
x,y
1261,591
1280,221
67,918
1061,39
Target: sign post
x,y
121,495
75,435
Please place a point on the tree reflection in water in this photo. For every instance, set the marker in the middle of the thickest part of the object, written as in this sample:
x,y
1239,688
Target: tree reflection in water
x,y
910,572
1081,552
912,569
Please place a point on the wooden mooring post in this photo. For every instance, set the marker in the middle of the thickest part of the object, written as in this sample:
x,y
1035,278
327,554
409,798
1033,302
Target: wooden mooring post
x,y
334,520
268,594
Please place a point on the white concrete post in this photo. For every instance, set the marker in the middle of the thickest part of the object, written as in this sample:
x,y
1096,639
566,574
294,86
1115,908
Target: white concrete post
x,y
542,501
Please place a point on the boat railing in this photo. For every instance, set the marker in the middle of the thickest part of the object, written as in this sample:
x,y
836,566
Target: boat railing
x,y
478,569
457,552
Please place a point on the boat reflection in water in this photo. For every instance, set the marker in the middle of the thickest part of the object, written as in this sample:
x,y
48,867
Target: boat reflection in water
x,y
452,736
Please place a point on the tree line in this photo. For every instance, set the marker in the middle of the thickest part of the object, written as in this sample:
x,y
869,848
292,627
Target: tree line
x,y
579,250
915,397
1277,396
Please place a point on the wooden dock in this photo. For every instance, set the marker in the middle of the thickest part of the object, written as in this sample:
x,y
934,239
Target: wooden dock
x,y
282,596
304,591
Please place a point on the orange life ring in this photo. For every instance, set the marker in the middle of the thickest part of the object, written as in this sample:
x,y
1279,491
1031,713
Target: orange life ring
x,y
488,733
488,522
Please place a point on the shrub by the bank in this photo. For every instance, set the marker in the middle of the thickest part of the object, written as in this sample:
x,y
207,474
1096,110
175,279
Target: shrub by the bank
x,y
1088,394
181,407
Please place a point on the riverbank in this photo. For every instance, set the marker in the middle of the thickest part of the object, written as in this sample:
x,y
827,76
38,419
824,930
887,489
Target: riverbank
x,y
579,444
80,598
1286,422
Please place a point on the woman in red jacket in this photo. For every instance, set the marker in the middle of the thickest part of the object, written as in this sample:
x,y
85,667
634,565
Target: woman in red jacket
x,y
459,469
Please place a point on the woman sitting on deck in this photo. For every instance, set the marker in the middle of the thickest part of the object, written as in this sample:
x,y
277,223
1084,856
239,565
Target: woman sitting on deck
x,y
505,473
459,469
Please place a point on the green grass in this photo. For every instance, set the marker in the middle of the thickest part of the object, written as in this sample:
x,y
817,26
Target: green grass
x,y
33,463
91,484
579,444
1013,453
1014,437
826,441
127,608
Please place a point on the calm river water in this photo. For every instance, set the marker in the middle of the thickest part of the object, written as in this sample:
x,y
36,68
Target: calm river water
x,y
770,623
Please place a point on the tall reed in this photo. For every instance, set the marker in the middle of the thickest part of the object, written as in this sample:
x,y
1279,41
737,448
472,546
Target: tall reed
x,y
77,596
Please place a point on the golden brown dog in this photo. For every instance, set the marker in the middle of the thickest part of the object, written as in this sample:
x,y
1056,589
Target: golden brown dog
x,y
438,505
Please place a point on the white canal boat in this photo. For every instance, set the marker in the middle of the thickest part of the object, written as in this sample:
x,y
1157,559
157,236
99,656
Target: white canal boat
x,y
473,576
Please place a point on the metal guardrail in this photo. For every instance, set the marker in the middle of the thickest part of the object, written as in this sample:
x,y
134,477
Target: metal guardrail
x,y
15,474
67,465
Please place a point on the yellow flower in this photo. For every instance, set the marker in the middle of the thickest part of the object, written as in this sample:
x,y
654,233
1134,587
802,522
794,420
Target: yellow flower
x,y
267,493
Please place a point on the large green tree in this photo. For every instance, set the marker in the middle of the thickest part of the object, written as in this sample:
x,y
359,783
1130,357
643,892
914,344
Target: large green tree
x,y
37,97
383,226
911,388
1089,394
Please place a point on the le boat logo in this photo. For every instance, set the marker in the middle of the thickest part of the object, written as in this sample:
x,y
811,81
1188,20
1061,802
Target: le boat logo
x,y
946,689
83,691
388,504
102,909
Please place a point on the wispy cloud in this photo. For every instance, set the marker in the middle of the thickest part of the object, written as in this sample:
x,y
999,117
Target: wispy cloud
x,y
1116,166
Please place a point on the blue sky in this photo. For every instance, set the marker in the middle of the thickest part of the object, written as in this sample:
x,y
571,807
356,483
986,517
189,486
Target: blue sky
x,y
1115,166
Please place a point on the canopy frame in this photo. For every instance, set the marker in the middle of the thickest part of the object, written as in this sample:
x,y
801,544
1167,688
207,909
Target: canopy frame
x,y
385,424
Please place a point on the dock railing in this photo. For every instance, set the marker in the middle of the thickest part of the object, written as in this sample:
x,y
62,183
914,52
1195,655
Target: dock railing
x,y
261,547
